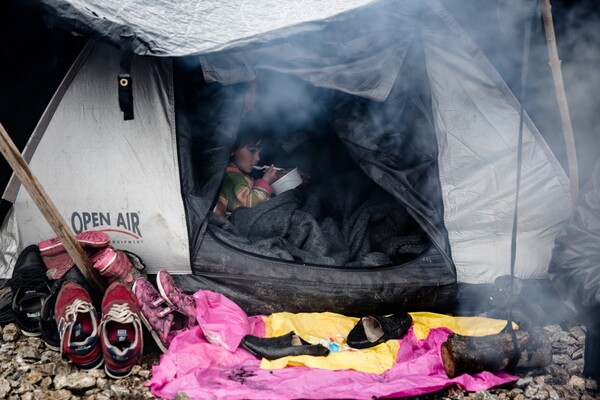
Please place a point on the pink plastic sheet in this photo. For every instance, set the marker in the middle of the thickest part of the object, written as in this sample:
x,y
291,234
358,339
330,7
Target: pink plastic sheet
x,y
205,370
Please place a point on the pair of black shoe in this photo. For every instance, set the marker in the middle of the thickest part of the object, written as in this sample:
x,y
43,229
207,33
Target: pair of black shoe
x,y
368,332
34,296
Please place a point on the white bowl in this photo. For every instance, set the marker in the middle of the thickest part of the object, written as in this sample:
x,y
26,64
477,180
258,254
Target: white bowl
x,y
289,181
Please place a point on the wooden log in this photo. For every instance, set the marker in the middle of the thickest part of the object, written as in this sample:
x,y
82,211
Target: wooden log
x,y
49,211
473,354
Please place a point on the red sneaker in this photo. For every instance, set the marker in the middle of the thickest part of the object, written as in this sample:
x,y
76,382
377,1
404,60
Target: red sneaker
x,y
120,330
176,297
78,326
56,258
163,321
113,265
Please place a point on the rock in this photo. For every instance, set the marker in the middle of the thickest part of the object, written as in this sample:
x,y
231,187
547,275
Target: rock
x,y
577,354
591,384
45,383
74,381
530,391
4,388
181,396
561,359
34,376
11,333
47,369
577,382
24,387
578,333
522,382
120,391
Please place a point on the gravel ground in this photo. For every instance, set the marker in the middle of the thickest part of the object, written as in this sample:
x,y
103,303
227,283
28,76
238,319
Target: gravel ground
x,y
29,370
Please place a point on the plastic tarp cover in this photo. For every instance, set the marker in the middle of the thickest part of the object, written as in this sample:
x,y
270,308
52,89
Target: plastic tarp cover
x,y
9,243
105,173
477,124
575,266
179,28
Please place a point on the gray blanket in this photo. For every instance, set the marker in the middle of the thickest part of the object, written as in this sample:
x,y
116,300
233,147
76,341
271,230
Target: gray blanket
x,y
348,221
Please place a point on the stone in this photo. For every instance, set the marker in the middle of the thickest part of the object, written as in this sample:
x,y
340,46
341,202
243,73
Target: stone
x,y
45,383
47,369
11,333
577,354
4,388
522,382
530,391
34,376
578,333
120,391
591,384
181,396
561,359
74,381
24,387
577,382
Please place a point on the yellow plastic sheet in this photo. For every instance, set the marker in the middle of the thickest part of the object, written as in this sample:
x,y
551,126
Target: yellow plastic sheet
x,y
466,326
314,327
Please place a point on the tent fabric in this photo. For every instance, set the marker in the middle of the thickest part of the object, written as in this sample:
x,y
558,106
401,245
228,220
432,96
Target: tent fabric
x,y
575,266
203,370
179,28
411,100
106,173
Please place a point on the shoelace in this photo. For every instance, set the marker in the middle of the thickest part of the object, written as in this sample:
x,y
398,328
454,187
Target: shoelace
x,y
120,313
78,306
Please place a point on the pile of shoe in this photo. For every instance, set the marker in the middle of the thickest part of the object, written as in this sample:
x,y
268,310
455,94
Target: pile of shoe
x,y
368,332
43,273
166,312
116,340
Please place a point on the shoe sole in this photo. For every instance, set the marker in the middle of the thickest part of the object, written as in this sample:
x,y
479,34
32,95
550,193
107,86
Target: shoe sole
x,y
51,347
115,376
149,327
31,334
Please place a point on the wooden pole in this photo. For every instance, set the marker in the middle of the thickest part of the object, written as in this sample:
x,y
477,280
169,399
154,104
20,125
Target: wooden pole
x,y
561,97
48,210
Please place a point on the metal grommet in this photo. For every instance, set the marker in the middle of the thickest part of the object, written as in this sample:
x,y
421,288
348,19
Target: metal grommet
x,y
123,81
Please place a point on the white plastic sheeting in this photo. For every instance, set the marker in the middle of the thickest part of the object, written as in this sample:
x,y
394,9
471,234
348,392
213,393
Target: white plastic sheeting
x,y
477,126
104,173
185,27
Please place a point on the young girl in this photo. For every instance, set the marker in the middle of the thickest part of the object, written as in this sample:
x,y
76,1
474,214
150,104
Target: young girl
x,y
239,189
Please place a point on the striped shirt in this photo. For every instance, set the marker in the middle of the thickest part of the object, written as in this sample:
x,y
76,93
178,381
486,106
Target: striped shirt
x,y
241,190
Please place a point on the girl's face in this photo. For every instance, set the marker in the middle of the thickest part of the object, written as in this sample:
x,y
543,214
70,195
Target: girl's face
x,y
246,157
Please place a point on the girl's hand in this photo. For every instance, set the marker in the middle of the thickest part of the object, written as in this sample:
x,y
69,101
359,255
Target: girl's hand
x,y
271,175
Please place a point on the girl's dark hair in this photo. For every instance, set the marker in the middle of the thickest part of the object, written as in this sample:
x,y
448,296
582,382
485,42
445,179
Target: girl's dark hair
x,y
247,137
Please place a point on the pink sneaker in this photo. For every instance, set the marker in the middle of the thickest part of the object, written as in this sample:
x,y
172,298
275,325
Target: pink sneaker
x,y
176,297
56,258
78,326
162,320
113,265
121,333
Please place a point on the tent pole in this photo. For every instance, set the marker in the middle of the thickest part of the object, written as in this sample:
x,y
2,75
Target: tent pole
x,y
49,210
561,97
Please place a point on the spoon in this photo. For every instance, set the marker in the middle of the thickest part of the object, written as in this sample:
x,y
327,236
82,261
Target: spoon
x,y
261,167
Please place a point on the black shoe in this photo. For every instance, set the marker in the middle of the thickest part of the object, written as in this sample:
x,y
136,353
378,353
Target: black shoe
x,y
289,344
371,331
29,286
